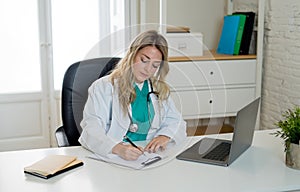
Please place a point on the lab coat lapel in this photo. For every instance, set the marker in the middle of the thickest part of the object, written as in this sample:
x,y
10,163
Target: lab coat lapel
x,y
156,119
119,122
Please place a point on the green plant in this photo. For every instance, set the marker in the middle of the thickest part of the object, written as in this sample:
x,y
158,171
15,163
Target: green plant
x,y
289,127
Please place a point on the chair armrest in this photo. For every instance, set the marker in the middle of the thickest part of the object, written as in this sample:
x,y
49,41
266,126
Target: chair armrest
x,y
61,137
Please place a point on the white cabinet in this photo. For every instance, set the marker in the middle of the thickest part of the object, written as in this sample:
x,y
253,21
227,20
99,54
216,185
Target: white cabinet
x,y
211,85
212,88
211,73
194,104
214,85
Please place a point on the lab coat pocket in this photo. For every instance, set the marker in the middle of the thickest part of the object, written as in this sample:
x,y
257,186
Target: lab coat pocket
x,y
155,125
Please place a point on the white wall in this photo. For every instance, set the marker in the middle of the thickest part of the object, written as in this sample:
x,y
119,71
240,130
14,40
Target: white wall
x,y
281,80
203,16
281,66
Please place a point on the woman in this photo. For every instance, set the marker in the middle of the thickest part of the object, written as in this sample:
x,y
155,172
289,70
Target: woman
x,y
133,101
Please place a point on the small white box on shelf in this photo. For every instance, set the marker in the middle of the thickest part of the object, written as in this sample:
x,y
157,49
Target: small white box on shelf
x,y
185,44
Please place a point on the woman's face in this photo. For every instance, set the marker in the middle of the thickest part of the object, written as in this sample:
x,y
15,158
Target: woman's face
x,y
146,63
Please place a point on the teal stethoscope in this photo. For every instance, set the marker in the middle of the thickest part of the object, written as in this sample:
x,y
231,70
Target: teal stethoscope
x,y
133,127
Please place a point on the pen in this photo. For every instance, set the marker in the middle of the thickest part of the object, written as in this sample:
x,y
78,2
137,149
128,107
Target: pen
x,y
131,143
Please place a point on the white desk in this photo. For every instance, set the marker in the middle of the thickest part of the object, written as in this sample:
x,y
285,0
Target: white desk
x,y
260,168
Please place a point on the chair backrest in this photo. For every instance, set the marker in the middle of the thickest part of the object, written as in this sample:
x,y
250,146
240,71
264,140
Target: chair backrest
x,y
77,79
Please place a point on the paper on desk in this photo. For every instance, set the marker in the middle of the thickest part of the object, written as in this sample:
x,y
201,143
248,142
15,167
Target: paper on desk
x,y
171,151
141,162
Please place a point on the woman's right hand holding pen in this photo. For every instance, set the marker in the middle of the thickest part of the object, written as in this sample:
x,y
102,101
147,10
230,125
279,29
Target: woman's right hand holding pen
x,y
127,152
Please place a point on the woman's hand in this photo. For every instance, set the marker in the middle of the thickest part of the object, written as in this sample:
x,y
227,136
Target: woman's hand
x,y
159,142
127,152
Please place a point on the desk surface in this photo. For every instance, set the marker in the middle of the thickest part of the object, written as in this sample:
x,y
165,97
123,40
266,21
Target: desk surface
x,y
260,168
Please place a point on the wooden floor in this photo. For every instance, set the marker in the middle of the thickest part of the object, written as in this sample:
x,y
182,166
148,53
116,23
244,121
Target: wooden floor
x,y
206,130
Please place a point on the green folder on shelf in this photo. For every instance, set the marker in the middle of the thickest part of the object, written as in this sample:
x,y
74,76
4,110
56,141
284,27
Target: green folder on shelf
x,y
239,34
247,33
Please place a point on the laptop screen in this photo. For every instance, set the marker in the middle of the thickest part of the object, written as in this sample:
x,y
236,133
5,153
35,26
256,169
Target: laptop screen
x,y
244,128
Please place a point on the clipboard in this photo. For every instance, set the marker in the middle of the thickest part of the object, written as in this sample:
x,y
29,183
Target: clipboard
x,y
143,161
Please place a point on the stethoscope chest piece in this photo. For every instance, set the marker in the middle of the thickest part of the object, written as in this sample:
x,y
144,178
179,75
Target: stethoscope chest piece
x,y
133,127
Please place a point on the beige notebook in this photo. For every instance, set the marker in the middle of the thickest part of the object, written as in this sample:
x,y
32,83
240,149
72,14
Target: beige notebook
x,y
53,165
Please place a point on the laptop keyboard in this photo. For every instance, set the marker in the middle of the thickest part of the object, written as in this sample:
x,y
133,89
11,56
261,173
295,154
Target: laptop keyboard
x,y
219,153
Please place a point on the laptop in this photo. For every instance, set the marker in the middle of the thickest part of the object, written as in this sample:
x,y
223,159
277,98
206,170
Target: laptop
x,y
224,152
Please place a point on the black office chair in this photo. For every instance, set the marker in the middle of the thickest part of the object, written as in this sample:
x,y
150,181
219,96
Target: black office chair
x,y
77,79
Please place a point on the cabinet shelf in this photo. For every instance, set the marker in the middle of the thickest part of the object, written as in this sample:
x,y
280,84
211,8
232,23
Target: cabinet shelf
x,y
215,85
211,55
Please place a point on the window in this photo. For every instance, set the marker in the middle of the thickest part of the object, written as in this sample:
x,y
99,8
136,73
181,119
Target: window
x,y
19,37
78,27
75,30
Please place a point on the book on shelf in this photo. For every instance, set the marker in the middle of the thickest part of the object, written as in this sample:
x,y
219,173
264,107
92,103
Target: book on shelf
x,y
231,34
248,30
178,29
53,165
239,35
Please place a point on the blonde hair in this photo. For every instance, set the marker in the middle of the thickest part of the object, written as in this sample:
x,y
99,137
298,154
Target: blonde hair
x,y
124,75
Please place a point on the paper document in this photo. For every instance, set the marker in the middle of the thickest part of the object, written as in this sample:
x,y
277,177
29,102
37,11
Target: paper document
x,y
141,162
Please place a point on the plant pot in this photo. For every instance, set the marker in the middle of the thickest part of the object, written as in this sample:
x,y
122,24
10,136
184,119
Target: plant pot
x,y
292,158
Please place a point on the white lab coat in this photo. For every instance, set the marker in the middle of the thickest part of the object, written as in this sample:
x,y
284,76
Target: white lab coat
x,y
104,124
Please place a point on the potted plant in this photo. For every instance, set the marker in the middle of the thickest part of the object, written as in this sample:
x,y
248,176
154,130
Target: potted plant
x,y
290,132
